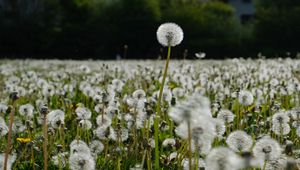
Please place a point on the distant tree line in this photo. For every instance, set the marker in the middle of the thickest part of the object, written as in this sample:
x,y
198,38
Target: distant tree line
x,y
104,29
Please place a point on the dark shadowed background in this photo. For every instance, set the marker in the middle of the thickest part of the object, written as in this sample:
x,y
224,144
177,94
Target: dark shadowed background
x,y
105,29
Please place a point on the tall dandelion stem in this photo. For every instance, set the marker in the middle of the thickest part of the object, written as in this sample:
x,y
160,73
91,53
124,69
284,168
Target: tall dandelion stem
x,y
163,82
14,97
168,35
158,110
44,111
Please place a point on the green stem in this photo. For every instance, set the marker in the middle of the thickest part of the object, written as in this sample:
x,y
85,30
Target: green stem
x,y
190,145
9,137
45,143
158,110
265,163
156,131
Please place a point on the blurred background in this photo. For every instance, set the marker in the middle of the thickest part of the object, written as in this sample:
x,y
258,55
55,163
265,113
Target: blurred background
x,y
110,29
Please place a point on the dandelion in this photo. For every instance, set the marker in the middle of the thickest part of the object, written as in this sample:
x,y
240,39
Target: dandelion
x,y
138,99
282,129
18,125
78,146
60,159
178,92
24,140
295,114
96,147
200,55
3,127
239,141
169,142
267,149
56,118
202,132
226,115
279,163
188,110
222,159
98,108
220,127
80,161
3,108
280,118
173,155
103,121
101,132
26,110
185,163
83,113
123,136
48,90
85,124
245,98
169,34
117,85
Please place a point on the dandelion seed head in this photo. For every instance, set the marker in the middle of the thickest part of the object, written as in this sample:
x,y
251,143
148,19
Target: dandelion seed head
x,y
169,34
279,163
85,124
281,129
78,146
18,125
83,113
122,135
56,118
185,163
222,159
239,141
80,161
103,120
3,108
280,118
96,147
267,149
100,132
169,142
226,115
3,127
60,159
220,127
26,110
245,98
139,94
202,129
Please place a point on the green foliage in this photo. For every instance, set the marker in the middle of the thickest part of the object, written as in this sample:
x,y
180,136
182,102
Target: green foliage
x,y
128,22
207,26
93,28
277,25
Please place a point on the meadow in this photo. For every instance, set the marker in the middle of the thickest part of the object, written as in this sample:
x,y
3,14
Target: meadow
x,y
215,114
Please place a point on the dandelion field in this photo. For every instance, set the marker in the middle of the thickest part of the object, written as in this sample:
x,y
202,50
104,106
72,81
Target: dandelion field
x,y
227,114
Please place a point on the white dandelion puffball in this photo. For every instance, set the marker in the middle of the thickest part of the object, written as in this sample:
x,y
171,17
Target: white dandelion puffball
x,y
239,141
222,158
245,98
267,149
169,34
